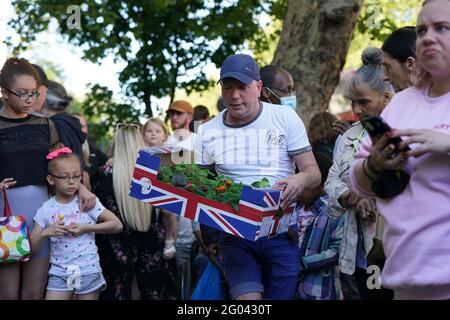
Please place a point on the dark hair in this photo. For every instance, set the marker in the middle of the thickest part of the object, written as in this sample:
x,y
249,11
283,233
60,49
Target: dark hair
x,y
268,74
324,159
43,80
14,67
201,112
320,128
57,98
401,43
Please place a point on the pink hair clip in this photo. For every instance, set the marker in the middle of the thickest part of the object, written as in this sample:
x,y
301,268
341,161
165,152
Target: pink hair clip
x,y
52,155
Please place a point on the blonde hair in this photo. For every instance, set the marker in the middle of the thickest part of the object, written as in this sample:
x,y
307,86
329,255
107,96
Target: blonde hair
x,y
160,123
127,143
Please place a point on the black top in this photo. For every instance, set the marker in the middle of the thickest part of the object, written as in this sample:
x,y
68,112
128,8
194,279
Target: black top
x,y
97,159
23,149
69,131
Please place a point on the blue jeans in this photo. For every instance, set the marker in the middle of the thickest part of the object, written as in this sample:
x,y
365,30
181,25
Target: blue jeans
x,y
268,266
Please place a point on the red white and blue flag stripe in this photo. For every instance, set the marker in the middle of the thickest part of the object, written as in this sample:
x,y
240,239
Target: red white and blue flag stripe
x,y
257,207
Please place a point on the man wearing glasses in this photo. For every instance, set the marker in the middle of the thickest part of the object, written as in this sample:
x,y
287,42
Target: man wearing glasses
x,y
278,86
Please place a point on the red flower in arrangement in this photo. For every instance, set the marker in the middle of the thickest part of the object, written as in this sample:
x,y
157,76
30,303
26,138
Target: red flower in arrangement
x,y
221,188
200,181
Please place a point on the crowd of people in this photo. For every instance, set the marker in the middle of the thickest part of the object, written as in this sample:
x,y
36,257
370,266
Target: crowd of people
x,y
361,199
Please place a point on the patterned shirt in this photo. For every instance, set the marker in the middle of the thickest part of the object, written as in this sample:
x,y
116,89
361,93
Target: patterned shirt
x,y
68,252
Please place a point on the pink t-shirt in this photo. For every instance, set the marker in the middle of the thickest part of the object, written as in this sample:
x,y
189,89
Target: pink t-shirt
x,y
417,229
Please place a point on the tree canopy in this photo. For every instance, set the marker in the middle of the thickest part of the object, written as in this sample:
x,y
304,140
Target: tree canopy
x,y
165,43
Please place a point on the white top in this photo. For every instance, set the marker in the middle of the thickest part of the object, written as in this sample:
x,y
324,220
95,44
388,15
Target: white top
x,y
68,251
261,148
179,139
186,234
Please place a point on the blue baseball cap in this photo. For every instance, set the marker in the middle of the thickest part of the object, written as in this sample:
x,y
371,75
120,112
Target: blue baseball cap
x,y
241,67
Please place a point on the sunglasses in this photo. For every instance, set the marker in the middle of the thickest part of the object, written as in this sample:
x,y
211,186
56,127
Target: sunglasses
x,y
128,125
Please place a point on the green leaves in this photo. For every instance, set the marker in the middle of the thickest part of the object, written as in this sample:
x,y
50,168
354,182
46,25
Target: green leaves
x,y
162,42
199,181
380,17
264,183
100,106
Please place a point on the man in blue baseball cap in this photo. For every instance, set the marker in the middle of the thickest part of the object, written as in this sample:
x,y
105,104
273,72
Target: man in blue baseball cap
x,y
241,87
248,141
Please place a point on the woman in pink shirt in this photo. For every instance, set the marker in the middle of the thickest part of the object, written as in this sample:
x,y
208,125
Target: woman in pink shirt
x,y
417,229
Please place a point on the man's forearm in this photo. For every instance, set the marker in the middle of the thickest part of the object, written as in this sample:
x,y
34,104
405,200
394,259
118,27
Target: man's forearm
x,y
311,176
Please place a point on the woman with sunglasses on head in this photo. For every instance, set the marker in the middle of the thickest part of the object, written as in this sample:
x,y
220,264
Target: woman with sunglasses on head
x,y
417,230
132,261
24,142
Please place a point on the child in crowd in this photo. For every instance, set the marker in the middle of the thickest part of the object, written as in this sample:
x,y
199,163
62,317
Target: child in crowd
x,y
74,262
135,265
24,142
155,132
320,238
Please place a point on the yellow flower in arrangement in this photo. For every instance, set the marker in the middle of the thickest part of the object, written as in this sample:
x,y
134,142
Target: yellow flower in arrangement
x,y
61,217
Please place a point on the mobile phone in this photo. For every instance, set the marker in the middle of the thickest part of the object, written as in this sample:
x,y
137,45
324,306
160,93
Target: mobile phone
x,y
376,127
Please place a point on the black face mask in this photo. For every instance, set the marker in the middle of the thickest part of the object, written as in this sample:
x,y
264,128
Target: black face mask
x,y
390,183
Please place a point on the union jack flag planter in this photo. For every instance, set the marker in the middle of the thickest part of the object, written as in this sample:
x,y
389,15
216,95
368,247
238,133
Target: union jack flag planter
x,y
257,207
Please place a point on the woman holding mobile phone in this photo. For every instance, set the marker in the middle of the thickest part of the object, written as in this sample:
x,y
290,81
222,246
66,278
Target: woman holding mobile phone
x,y
417,229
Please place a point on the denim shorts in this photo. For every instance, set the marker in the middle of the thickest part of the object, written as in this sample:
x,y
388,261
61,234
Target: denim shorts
x,y
88,283
269,266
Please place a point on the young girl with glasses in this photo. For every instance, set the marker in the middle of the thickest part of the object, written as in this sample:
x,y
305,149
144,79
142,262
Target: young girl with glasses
x,y
74,261
24,142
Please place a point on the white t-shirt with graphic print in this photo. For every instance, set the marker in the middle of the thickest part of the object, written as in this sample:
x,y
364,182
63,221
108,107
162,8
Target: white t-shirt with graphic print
x,y
68,253
261,148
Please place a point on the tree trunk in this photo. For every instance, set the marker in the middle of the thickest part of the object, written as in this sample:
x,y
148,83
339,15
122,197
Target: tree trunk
x,y
148,105
314,42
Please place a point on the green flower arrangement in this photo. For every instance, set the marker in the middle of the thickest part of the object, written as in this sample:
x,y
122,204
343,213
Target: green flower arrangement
x,y
192,178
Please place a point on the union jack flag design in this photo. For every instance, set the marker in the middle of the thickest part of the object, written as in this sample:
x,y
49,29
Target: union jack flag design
x,y
258,208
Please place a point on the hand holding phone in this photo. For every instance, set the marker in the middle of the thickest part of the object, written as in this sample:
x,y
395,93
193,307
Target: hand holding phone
x,y
377,127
